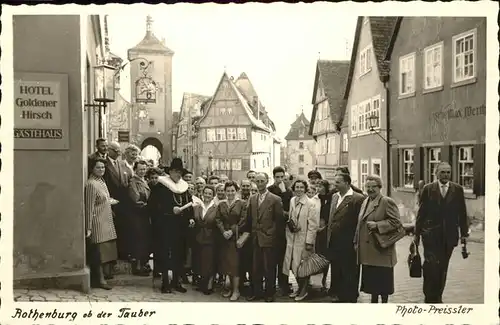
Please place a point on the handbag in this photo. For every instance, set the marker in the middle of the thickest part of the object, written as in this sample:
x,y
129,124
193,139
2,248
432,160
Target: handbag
x,y
312,265
390,238
241,239
292,226
414,262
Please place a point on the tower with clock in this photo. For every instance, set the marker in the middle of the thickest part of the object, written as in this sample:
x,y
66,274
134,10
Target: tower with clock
x,y
151,89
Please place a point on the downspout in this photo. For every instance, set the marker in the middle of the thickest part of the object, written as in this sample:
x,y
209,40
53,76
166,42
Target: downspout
x,y
388,134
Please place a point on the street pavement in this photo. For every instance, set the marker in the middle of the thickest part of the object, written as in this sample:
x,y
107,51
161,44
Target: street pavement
x,y
465,285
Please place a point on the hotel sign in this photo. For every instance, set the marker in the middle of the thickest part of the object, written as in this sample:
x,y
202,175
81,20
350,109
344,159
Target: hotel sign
x,y
449,112
41,112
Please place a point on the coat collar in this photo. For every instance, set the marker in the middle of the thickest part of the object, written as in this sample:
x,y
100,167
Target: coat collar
x,y
371,208
178,188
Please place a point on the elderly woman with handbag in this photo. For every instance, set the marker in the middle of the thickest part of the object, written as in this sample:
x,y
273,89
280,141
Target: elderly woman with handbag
x,y
301,231
379,228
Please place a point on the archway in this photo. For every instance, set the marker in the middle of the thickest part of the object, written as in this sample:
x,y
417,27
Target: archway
x,y
152,148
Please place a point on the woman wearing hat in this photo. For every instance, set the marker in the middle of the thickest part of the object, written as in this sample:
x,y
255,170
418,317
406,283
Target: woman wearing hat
x,y
170,222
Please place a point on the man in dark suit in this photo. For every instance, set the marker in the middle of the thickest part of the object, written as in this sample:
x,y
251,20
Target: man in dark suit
x,y
345,170
117,177
265,213
279,188
442,215
101,151
342,223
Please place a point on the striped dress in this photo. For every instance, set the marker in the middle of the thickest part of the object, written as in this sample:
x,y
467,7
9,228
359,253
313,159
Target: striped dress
x,y
98,215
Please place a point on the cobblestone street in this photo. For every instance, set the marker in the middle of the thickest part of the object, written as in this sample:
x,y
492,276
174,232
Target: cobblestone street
x,y
135,289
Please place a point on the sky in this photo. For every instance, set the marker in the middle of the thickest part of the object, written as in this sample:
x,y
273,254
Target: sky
x,y
277,45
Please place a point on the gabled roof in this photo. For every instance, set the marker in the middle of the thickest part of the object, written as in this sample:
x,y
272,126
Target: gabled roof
x,y
332,74
244,103
150,43
189,100
300,123
382,29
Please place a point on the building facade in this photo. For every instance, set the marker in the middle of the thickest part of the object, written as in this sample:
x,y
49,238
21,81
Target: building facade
x,y
192,108
366,95
438,97
49,236
326,119
153,123
232,136
300,147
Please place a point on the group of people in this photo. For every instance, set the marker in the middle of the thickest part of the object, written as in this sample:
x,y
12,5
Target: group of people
x,y
244,235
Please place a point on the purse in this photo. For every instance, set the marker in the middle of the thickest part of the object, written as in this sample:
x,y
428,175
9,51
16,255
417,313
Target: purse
x,y
414,262
292,226
390,238
241,239
312,265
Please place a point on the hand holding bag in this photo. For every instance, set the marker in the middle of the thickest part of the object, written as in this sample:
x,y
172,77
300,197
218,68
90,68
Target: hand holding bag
x,y
241,239
390,238
312,265
414,262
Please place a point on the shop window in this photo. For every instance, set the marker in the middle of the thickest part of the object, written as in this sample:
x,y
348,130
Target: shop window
x,y
466,168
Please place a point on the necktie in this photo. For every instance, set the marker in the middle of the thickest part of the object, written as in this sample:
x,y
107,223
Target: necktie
x,y
443,190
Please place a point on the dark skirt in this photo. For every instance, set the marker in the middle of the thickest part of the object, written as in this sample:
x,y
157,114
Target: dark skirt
x,y
140,231
107,251
205,261
321,244
229,258
377,280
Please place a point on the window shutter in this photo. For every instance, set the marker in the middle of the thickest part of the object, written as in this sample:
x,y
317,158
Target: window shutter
x,y
418,164
446,155
396,168
245,164
479,168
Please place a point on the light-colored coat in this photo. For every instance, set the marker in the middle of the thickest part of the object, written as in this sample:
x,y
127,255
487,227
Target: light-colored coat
x,y
98,215
385,213
304,213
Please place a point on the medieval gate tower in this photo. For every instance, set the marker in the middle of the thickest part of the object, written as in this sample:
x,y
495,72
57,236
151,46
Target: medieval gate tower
x,y
150,66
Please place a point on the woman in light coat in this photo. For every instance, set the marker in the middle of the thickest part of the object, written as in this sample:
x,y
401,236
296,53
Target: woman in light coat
x,y
99,226
300,240
379,214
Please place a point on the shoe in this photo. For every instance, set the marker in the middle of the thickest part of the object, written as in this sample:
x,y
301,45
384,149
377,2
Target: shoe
x,y
293,295
301,297
235,296
105,286
254,298
207,292
166,290
335,299
227,294
269,299
180,289
109,277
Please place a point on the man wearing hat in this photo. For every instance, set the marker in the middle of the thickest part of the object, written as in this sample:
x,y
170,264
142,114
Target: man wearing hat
x,y
169,224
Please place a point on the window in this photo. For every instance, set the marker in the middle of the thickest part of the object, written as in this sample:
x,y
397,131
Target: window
x,y
222,110
301,145
408,175
301,158
225,164
361,112
254,163
231,134
407,74
210,135
242,134
466,168
345,142
301,170
328,145
354,114
433,56
236,164
221,134
364,172
434,155
365,60
151,123
301,133
323,146
215,164
267,161
464,55
377,167
228,111
354,172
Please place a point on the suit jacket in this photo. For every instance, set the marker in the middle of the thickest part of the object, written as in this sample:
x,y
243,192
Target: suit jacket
x,y
205,225
440,219
343,221
264,219
117,179
385,213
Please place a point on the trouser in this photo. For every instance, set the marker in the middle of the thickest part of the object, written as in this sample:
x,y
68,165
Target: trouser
x,y
280,258
122,231
435,270
344,278
264,266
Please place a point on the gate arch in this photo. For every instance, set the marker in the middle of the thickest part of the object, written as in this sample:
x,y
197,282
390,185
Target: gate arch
x,y
153,142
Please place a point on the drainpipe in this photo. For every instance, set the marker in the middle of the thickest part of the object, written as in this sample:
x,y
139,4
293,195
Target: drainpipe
x,y
388,134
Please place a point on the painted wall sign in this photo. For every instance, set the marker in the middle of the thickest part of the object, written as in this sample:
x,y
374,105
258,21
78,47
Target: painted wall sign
x,y
124,136
41,112
465,112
